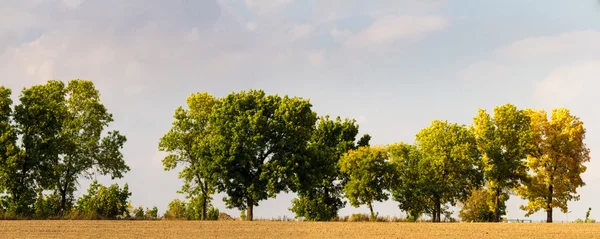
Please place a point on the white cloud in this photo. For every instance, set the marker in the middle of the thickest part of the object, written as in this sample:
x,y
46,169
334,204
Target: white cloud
x,y
251,26
567,83
300,31
389,29
266,7
72,3
579,44
316,58
340,35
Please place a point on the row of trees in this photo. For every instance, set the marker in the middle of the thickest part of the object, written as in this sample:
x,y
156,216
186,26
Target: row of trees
x,y
252,146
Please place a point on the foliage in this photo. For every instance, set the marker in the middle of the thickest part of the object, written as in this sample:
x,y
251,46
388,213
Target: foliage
x,y
177,209
504,141
449,164
213,214
368,171
556,163
320,190
406,184
188,144
138,213
258,143
479,207
60,129
103,202
152,213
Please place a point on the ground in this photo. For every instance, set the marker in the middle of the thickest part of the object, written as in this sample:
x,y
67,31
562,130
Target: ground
x,y
280,230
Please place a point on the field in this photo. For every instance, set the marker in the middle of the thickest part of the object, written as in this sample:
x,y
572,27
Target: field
x,y
238,229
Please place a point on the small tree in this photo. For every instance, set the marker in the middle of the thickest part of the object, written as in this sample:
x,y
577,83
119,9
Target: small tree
x,y
152,213
138,213
367,169
177,209
104,202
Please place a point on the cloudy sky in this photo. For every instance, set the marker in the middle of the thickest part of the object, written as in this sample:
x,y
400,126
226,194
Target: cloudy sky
x,y
394,65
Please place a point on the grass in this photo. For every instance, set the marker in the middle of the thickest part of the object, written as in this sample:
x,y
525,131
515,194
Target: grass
x,y
280,230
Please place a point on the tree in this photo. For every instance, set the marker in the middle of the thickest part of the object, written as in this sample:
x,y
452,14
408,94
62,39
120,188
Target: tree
x,y
188,144
407,184
479,207
83,149
39,120
449,165
320,189
556,163
10,155
504,142
103,202
258,144
177,209
368,171
61,131
152,213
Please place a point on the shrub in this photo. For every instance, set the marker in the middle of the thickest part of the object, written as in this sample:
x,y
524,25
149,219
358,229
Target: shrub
x,y
104,202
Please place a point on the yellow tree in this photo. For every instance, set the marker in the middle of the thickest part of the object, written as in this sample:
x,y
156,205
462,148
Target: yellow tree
x,y
556,163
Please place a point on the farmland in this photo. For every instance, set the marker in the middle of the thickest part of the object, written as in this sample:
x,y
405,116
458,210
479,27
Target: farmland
x,y
266,229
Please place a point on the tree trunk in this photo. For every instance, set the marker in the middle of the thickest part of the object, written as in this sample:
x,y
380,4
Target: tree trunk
x,y
250,204
438,210
372,213
204,208
497,206
549,204
63,194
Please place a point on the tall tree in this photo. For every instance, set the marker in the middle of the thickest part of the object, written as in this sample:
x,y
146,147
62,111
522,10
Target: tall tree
x,y
320,189
408,184
39,119
450,163
556,163
84,150
368,172
10,154
258,143
504,141
188,145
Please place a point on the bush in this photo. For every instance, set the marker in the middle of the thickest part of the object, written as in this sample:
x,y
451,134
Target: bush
x,y
152,213
104,202
212,214
138,213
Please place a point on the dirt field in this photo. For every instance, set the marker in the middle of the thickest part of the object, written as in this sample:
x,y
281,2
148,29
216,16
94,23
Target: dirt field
x,y
231,229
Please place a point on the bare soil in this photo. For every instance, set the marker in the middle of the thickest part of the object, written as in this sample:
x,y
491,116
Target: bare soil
x,y
280,230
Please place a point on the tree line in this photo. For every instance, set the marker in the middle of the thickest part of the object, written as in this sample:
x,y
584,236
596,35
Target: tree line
x,y
251,146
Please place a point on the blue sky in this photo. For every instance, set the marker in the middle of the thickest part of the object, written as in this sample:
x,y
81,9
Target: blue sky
x,y
394,65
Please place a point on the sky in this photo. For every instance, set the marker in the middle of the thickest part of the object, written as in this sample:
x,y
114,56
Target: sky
x,y
393,65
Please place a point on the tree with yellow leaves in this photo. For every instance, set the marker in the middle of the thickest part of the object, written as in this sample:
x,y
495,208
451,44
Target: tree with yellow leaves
x,y
556,163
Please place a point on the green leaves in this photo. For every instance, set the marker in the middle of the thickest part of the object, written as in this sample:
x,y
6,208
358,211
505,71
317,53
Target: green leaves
x,y
188,143
61,131
258,143
504,142
368,171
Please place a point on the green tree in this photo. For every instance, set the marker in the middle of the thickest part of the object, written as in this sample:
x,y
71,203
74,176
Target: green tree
x,y
152,213
450,164
556,163
138,213
479,207
103,202
259,142
407,184
10,154
368,171
320,189
177,209
39,120
188,144
504,141
83,149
